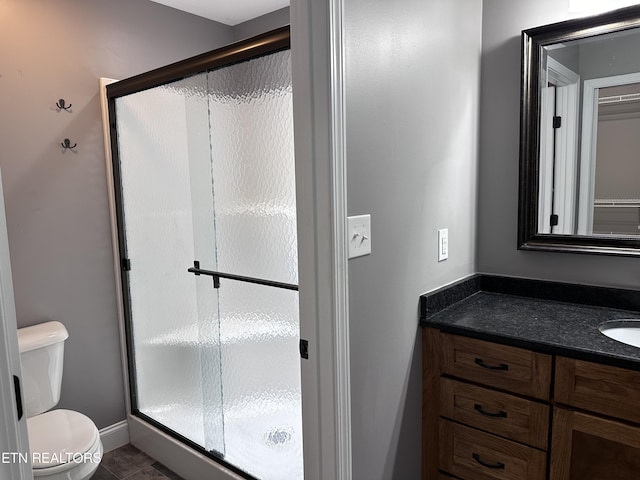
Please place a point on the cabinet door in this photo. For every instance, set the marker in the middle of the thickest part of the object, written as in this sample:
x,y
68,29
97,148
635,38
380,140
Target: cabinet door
x,y
585,447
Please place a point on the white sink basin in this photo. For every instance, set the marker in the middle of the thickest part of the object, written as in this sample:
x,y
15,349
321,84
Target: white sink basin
x,y
625,331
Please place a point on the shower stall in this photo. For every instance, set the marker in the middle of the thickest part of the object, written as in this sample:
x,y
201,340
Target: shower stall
x,y
204,197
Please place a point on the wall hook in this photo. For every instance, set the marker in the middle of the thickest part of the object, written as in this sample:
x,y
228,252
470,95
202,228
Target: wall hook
x,y
67,144
61,105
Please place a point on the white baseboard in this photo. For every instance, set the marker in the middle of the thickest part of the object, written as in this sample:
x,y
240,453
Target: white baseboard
x,y
114,436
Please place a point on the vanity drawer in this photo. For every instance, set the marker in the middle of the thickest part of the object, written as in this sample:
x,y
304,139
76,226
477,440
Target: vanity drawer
x,y
474,455
516,418
509,368
598,388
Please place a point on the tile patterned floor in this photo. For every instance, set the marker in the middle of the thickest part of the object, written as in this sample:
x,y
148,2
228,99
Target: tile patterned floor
x,y
129,463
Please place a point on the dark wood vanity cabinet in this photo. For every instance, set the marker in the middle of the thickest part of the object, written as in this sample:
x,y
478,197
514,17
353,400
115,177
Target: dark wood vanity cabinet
x,y
595,422
486,409
488,414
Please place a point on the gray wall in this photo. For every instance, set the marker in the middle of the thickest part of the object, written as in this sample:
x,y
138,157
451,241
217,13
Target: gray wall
x,y
57,208
502,22
261,24
412,96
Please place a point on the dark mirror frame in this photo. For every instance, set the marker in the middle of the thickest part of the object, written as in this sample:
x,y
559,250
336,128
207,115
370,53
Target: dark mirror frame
x,y
532,42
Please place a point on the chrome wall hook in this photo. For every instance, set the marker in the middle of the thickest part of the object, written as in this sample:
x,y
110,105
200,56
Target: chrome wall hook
x,y
61,104
66,143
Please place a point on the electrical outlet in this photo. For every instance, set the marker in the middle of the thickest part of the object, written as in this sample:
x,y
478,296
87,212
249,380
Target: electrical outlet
x,y
443,244
359,232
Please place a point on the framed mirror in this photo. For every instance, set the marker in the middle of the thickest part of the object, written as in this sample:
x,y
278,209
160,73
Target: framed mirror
x,y
580,136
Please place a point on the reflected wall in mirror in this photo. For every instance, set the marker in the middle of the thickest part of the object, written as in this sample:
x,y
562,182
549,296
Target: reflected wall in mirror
x,y
580,135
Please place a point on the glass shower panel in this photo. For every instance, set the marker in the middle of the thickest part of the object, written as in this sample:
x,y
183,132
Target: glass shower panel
x,y
252,158
254,206
259,328
163,139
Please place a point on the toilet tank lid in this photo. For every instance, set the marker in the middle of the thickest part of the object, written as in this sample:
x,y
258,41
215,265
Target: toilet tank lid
x,y
41,335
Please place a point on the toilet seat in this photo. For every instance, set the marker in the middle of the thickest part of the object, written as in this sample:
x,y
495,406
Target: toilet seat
x,y
63,440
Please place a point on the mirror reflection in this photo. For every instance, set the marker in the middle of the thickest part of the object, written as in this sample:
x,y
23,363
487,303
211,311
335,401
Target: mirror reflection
x,y
589,128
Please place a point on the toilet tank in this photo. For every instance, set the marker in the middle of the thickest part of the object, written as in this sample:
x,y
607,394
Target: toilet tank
x,y
41,355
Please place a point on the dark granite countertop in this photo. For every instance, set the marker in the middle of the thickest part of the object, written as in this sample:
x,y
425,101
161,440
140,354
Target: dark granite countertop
x,y
543,325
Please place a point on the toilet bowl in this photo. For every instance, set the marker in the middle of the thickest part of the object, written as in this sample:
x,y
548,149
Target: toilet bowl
x,y
64,444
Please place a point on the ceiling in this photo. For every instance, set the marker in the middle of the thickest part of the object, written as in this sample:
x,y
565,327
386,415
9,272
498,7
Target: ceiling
x,y
229,12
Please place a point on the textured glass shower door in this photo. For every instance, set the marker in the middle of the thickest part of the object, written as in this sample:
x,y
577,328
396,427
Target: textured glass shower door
x,y
163,140
207,179
252,164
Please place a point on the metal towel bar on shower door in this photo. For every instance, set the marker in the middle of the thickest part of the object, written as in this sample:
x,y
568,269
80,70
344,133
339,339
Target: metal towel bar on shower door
x,y
218,275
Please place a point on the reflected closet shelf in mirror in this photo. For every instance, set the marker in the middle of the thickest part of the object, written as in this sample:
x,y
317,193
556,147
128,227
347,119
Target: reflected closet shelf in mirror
x,y
617,202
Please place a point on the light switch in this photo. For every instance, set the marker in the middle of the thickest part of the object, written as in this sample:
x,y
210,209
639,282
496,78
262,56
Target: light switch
x,y
359,232
443,244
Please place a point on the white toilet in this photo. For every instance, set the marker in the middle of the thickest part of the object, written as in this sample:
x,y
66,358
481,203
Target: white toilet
x,y
65,445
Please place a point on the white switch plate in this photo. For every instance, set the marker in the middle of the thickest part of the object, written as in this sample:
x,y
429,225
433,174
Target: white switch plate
x,y
443,244
359,232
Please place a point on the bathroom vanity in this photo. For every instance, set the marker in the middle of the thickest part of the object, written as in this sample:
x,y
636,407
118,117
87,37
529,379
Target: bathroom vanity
x,y
519,383
523,388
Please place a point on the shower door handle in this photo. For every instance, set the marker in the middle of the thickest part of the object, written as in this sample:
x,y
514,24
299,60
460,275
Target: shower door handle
x,y
196,270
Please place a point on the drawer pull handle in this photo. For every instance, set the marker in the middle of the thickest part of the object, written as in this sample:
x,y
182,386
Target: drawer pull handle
x,y
498,465
500,414
502,366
